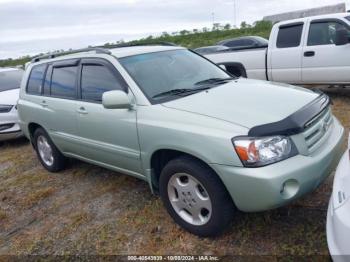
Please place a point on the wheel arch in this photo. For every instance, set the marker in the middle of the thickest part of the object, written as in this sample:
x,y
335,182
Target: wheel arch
x,y
160,157
235,68
31,128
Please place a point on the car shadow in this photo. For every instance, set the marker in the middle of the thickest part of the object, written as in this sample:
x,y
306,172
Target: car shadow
x,y
14,142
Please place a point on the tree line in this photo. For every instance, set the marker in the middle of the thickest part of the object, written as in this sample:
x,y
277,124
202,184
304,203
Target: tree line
x,y
187,38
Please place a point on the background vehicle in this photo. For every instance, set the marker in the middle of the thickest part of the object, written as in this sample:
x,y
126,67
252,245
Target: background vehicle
x,y
210,49
245,42
312,50
338,215
10,80
205,141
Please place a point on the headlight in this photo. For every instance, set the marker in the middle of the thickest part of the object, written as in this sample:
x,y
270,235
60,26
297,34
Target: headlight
x,y
5,108
257,152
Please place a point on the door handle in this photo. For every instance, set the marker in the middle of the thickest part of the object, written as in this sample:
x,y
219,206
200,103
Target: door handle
x,y
82,111
44,104
309,53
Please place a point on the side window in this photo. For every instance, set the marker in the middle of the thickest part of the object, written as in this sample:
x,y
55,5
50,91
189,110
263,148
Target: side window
x,y
240,42
95,80
233,43
35,81
289,36
63,82
323,33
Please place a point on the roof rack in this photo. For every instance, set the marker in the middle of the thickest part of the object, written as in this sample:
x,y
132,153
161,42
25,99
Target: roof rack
x,y
140,44
98,50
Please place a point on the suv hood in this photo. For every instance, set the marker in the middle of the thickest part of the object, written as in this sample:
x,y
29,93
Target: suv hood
x,y
246,102
9,97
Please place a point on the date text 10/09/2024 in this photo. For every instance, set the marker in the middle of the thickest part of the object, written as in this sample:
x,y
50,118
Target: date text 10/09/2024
x,y
173,258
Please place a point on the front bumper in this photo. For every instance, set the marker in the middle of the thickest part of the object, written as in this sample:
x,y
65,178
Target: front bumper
x,y
338,215
14,131
259,189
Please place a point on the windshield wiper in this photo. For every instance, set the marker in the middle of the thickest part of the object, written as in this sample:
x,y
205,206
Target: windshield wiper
x,y
180,92
214,81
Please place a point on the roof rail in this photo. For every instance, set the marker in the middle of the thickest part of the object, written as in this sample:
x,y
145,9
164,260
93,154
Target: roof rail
x,y
98,50
140,44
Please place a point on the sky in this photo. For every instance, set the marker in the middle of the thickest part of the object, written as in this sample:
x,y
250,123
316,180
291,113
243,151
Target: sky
x,y
29,27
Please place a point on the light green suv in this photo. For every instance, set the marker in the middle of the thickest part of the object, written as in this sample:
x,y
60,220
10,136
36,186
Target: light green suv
x,y
206,141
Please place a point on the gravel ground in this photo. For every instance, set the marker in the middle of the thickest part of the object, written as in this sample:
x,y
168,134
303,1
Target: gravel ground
x,y
90,210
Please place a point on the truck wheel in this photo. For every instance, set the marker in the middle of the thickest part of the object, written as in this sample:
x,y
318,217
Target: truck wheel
x,y
49,155
195,197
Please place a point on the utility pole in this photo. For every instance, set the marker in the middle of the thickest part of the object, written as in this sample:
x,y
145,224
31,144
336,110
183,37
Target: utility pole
x,y
235,14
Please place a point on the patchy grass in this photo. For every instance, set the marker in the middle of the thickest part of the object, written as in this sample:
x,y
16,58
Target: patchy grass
x,y
90,210
34,197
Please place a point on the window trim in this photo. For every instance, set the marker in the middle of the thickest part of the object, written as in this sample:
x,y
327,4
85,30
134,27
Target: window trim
x,y
49,71
42,81
99,62
334,20
284,26
325,20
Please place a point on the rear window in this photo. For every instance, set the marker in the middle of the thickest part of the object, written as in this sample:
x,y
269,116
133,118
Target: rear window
x,y
36,79
63,82
10,80
289,36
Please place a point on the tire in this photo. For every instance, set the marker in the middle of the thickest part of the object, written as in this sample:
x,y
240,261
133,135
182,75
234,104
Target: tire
x,y
58,161
214,217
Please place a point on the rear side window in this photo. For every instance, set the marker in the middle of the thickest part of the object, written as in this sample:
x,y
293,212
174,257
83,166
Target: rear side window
x,y
63,82
95,80
10,79
36,79
289,36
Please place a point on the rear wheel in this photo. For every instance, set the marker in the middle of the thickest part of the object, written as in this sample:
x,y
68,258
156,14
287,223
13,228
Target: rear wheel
x,y
49,155
195,197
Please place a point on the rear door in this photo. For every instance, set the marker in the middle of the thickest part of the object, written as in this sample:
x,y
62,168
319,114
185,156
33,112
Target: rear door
x,y
58,104
323,61
285,53
108,136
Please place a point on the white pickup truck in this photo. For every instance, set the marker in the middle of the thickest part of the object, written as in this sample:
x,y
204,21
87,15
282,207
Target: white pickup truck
x,y
312,50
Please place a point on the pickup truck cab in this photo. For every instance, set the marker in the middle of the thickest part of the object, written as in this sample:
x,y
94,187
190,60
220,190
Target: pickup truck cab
x,y
205,141
312,50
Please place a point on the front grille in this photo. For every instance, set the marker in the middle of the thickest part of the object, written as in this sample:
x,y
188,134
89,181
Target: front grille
x,y
317,129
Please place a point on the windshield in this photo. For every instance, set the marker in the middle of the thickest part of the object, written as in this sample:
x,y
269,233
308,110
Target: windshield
x,y
348,17
161,72
10,79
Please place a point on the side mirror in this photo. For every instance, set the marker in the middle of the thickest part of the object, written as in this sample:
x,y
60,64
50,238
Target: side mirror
x,y
341,37
116,99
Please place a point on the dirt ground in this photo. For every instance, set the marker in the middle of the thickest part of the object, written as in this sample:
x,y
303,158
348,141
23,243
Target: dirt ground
x,y
90,210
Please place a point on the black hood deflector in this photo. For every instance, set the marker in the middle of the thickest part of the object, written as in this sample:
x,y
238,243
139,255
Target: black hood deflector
x,y
295,123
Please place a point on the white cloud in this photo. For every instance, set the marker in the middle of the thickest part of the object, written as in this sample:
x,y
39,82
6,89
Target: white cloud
x,y
32,26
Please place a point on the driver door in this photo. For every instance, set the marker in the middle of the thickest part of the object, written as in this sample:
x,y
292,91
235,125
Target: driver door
x,y
323,61
108,136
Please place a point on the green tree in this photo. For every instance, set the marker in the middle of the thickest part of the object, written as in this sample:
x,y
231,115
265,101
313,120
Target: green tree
x,y
227,27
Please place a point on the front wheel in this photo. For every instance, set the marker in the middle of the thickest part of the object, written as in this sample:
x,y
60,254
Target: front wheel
x,y
195,197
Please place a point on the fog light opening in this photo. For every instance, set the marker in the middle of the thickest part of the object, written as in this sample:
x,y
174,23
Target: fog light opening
x,y
289,189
